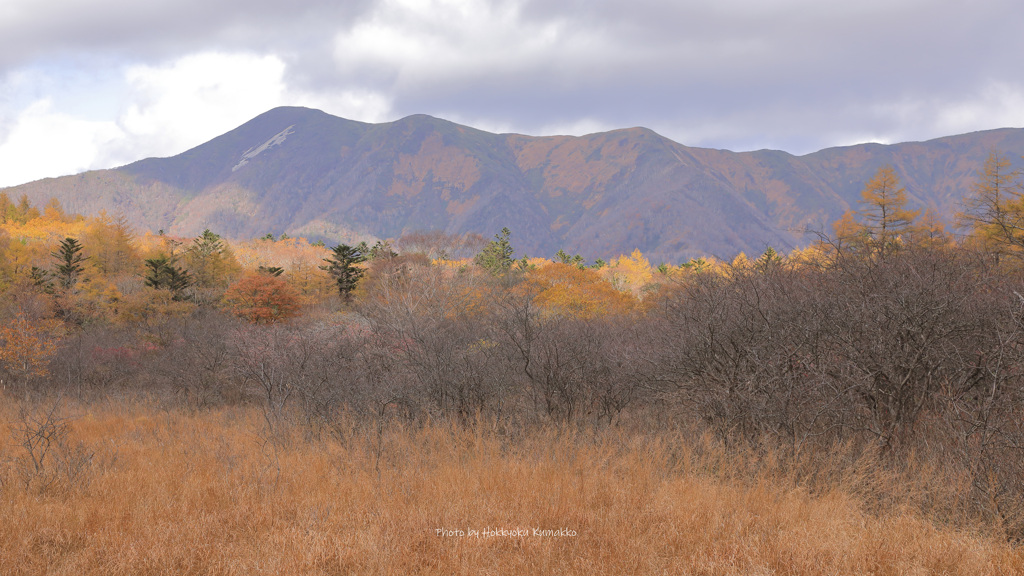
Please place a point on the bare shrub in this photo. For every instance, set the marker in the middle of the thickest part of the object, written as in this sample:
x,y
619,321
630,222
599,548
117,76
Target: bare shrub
x,y
48,460
431,326
916,354
436,244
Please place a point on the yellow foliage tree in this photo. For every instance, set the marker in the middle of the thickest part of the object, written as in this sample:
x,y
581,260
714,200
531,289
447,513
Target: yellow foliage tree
x,y
568,290
96,299
6,208
630,273
7,261
741,262
54,211
850,235
109,243
300,260
930,231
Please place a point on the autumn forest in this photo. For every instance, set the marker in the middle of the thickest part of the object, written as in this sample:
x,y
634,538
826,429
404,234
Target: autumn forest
x,y
212,405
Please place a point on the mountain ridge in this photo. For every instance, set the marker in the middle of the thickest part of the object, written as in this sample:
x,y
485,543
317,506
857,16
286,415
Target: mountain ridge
x,y
304,172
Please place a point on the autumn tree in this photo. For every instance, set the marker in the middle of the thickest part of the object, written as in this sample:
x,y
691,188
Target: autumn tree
x,y
930,231
54,211
629,273
261,299
995,209
884,213
26,346
24,211
569,290
110,243
7,260
342,266
6,208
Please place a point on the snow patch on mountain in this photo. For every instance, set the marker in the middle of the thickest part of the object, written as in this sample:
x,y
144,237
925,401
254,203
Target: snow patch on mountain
x,y
251,153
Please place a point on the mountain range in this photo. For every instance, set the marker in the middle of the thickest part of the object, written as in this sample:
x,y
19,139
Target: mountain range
x,y
306,173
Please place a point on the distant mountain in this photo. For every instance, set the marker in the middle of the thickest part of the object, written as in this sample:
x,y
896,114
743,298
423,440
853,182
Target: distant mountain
x,y
307,173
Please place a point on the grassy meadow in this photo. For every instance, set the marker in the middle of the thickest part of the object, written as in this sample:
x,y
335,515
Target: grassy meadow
x,y
134,488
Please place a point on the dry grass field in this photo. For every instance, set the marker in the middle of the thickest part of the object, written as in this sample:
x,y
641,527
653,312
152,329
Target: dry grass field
x,y
135,489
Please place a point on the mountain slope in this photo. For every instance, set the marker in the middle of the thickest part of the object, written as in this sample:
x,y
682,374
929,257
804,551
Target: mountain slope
x,y
308,173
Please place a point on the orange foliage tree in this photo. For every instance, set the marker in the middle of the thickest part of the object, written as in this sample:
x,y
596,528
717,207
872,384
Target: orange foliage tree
x,y
300,260
26,346
261,298
578,292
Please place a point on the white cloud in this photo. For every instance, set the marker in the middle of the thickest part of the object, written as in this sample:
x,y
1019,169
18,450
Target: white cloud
x,y
168,108
44,142
201,96
357,104
198,97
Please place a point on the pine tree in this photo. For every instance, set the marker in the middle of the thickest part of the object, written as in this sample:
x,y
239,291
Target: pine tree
x,y
274,271
769,260
69,262
342,266
164,275
210,260
496,257
42,279
381,251
564,258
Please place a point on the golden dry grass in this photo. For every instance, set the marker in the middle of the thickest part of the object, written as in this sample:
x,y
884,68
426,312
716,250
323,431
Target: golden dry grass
x,y
173,492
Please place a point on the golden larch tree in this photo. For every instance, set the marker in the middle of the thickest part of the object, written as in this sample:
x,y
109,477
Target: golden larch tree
x,y
995,209
884,213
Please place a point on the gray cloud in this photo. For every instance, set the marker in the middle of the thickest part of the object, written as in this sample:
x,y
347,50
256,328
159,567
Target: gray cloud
x,y
156,29
793,74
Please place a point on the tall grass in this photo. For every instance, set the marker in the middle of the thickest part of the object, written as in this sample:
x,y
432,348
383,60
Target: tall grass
x,y
220,492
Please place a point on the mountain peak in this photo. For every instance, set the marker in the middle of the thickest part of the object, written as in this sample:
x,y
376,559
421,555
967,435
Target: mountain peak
x,y
308,173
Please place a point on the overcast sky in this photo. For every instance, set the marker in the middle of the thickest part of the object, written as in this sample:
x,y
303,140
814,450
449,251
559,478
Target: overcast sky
x,y
99,83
